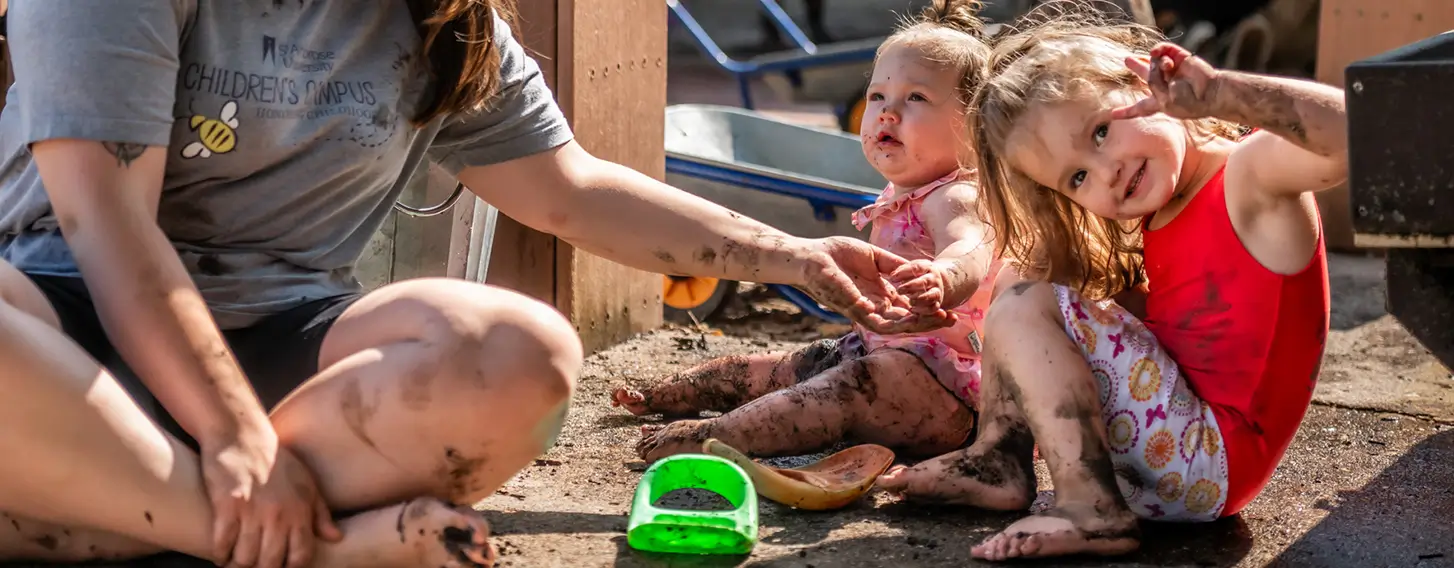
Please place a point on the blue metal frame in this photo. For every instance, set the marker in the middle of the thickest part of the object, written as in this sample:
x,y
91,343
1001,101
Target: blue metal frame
x,y
744,71
807,303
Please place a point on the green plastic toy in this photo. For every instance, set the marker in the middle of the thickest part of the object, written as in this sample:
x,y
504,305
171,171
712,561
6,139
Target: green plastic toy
x,y
655,529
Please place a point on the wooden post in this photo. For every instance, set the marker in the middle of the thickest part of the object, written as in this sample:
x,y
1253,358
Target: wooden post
x,y
523,259
1350,30
606,63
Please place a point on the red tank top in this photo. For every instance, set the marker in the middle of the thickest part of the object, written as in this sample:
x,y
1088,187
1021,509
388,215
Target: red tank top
x,y
1249,341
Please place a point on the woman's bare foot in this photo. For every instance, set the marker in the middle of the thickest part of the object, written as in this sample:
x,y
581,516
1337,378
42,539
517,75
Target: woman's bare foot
x,y
1062,531
630,399
680,437
422,532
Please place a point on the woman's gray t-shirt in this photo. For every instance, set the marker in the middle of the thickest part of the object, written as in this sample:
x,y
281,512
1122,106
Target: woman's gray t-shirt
x,y
286,124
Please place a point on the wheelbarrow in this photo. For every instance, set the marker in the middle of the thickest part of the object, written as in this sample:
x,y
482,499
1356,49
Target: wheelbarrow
x,y
836,73
802,180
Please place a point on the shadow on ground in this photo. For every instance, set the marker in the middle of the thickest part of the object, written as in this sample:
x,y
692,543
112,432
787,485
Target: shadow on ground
x,y
812,541
1401,517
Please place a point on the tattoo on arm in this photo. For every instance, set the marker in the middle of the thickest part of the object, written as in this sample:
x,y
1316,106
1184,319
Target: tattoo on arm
x,y
125,152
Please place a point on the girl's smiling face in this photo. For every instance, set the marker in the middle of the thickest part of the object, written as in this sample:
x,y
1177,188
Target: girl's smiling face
x,y
913,118
1117,169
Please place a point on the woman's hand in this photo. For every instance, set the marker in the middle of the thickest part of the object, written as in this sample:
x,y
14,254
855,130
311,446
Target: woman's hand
x,y
846,276
266,506
850,277
1182,85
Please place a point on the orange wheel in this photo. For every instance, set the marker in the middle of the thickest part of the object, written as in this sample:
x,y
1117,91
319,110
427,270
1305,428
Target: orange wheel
x,y
685,298
687,292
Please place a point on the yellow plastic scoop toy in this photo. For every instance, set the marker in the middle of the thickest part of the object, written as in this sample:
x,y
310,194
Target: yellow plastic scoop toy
x,y
830,483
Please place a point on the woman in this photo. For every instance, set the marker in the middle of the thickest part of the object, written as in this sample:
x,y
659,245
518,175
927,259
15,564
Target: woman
x,y
189,362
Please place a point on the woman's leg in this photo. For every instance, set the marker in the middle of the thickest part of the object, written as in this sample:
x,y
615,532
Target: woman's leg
x,y
886,397
726,383
93,459
436,387
29,326
99,479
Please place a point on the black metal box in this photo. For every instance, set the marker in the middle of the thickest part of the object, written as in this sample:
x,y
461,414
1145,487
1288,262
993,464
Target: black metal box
x,y
1401,144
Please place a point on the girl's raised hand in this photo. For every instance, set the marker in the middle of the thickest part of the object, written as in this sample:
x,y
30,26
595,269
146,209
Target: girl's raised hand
x,y
1182,85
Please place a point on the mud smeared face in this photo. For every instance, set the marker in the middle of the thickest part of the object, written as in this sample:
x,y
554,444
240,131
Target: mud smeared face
x,y
913,119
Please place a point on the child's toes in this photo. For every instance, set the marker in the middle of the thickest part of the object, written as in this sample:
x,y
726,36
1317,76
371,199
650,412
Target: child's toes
x,y
893,481
631,399
647,443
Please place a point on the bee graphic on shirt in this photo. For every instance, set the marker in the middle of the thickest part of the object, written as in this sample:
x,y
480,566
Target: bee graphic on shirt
x,y
214,135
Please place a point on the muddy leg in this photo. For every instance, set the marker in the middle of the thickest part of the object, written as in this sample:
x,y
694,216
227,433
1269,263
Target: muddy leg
x,y
1045,373
996,472
887,397
728,382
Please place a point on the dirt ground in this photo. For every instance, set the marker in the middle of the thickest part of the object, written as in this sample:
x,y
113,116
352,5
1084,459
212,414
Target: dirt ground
x,y
1369,480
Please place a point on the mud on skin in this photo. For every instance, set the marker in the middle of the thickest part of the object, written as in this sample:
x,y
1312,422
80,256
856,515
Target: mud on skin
x,y
723,384
1009,462
839,393
812,360
860,383
461,473
357,412
719,385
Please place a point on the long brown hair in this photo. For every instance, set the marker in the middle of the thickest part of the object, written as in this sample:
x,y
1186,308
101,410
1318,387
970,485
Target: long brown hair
x,y
459,45
1066,51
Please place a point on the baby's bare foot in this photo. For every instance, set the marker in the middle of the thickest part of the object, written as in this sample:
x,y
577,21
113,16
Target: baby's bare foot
x,y
1063,531
422,532
680,437
989,480
630,399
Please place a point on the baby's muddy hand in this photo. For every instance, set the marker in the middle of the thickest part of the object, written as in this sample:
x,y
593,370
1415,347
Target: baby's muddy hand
x,y
630,399
680,437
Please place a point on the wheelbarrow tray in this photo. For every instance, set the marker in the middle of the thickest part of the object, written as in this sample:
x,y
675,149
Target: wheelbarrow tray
x,y
802,180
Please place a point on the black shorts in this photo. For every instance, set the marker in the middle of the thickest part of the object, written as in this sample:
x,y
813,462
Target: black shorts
x,y
277,354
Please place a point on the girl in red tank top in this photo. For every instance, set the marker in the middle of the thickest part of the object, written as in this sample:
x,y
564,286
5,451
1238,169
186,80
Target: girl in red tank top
x,y
1161,380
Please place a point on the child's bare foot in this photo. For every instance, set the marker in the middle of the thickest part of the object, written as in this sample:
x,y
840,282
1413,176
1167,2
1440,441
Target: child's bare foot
x,y
1000,477
680,437
422,532
630,399
1062,531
